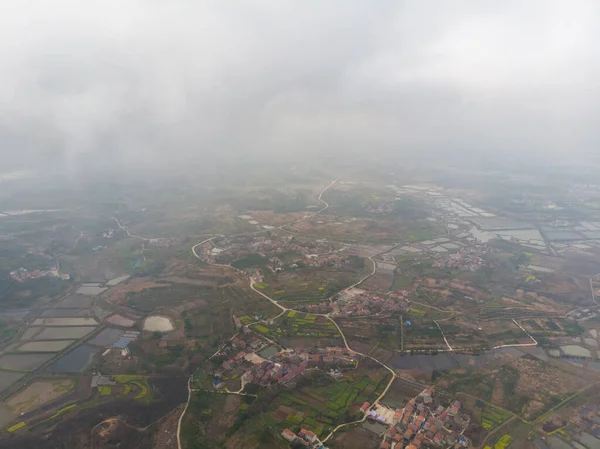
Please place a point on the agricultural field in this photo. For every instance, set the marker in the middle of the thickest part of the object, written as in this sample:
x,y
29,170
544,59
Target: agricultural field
x,y
23,362
320,403
218,418
422,334
298,325
484,335
526,386
492,417
307,285
7,378
59,333
447,293
521,305
351,229
551,327
372,331
489,415
244,301
39,393
400,393
45,346
169,295
135,385
64,322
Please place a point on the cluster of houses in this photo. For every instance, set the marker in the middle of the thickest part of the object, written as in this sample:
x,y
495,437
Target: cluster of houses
x,y
368,303
319,256
284,366
22,275
471,258
304,437
417,425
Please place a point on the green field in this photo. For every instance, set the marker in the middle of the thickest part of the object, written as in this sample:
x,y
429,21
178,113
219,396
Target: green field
x,y
104,390
319,404
492,417
299,325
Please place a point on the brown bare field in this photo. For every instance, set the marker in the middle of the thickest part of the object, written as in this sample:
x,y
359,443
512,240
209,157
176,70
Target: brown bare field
x,y
186,271
118,295
38,394
378,282
464,333
357,438
365,229
119,320
541,381
269,217
372,331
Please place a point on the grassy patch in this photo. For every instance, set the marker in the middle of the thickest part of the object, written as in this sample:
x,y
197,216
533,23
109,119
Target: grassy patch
x,y
16,426
104,390
417,311
503,442
492,417
251,260
63,410
262,329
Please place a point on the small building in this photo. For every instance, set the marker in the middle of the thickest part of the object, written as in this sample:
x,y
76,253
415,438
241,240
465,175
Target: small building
x,y
308,435
365,407
288,435
391,432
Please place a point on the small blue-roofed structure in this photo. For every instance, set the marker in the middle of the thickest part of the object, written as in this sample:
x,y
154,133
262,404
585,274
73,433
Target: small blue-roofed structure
x,y
408,323
121,343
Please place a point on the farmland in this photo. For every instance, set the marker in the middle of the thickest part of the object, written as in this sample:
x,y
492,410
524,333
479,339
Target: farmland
x,y
23,362
39,393
526,386
371,332
492,417
45,346
319,403
422,334
464,333
59,333
298,325
169,295
306,286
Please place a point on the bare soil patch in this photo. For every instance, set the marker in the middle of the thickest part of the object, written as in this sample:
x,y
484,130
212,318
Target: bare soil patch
x,y
38,394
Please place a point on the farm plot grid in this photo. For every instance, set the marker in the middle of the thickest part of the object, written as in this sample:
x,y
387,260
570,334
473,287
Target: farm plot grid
x,y
323,406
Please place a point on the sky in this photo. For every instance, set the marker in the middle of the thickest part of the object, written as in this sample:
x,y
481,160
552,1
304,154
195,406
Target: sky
x,y
153,83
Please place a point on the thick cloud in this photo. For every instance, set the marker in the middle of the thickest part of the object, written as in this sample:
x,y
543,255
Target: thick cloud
x,y
150,82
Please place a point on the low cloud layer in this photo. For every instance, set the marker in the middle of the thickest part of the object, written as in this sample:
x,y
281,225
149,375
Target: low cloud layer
x,y
145,83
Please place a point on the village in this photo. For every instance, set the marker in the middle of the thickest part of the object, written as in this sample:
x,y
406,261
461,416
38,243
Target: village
x,y
273,254
422,423
358,302
22,274
256,360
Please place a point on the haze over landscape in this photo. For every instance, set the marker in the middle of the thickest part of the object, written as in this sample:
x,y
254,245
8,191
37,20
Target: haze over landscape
x,y
152,83
290,224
